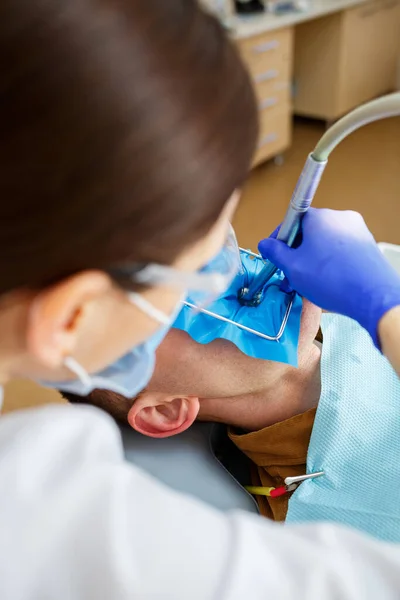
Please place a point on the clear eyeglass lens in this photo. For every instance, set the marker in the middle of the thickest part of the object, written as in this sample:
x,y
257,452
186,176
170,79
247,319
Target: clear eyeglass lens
x,y
221,270
207,283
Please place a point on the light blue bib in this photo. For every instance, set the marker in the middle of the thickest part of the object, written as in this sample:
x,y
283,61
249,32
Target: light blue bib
x,y
355,439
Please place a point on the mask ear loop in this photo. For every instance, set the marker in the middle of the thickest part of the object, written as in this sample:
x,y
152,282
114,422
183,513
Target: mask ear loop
x,y
77,369
80,372
150,310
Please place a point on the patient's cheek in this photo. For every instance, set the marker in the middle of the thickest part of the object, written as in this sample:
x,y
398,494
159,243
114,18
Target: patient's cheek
x,y
310,322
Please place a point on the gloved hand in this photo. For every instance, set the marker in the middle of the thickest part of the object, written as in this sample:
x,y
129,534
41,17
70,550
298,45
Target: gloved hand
x,y
339,267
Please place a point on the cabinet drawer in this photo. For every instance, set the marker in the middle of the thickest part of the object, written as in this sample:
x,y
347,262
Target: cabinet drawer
x,y
275,132
346,59
273,94
371,48
268,77
268,51
372,7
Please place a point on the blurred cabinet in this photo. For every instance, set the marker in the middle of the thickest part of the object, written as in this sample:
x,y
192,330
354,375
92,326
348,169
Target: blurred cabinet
x,y
221,8
347,58
269,58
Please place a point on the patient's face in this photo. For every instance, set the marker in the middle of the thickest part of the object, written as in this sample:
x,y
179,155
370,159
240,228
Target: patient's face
x,y
220,368
218,382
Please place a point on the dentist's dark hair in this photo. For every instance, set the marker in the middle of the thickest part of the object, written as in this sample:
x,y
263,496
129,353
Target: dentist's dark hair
x,y
125,125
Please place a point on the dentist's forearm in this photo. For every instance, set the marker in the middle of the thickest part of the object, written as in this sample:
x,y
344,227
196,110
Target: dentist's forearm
x,y
389,335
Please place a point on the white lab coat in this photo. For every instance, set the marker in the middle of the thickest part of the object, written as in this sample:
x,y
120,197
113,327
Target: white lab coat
x,y
79,523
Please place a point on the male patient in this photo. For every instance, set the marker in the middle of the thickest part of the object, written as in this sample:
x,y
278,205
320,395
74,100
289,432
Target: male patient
x,y
269,406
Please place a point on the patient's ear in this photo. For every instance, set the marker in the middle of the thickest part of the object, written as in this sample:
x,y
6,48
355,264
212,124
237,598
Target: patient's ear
x,y
161,415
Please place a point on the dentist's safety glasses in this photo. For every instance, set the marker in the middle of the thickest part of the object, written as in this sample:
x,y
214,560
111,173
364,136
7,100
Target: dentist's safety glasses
x,y
204,285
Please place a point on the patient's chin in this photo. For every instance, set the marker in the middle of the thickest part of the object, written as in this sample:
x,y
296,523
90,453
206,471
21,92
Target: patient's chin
x,y
310,323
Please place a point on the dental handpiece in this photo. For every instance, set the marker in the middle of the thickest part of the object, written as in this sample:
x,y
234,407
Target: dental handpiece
x,y
299,204
307,185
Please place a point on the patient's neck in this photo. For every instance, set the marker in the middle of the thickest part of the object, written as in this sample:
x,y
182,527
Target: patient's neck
x,y
284,392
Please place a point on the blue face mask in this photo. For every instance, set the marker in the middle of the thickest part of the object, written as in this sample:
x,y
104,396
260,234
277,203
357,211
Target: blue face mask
x,y
130,373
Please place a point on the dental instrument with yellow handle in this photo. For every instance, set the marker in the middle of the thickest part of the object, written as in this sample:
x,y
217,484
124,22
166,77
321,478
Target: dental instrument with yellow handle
x,y
291,483
307,185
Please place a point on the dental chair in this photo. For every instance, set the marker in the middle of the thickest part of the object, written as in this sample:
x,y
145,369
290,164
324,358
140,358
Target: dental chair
x,y
202,462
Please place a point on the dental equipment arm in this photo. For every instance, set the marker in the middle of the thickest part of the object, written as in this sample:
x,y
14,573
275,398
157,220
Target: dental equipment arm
x,y
307,185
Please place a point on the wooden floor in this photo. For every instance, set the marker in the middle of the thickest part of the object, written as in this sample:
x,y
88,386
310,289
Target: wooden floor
x,y
363,174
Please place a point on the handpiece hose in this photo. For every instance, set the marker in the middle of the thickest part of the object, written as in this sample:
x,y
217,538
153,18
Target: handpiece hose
x,y
307,185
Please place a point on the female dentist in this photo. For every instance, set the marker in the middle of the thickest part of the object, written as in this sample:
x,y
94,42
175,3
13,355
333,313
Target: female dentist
x,y
125,129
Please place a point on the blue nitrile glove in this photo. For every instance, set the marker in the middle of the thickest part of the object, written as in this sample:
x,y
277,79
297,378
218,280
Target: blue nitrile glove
x,y
339,267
